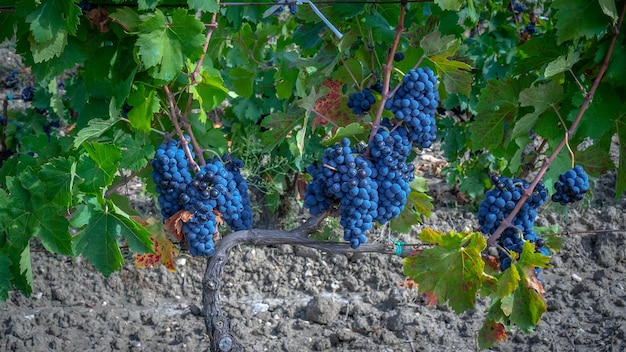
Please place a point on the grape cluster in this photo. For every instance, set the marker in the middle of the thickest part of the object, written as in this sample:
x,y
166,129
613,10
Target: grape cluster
x,y
518,7
415,103
216,192
530,28
389,152
345,179
361,102
244,222
28,93
11,80
372,184
201,200
571,186
171,176
498,204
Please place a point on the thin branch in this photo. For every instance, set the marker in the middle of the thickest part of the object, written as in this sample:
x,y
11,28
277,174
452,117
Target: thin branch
x,y
124,181
388,70
174,118
603,67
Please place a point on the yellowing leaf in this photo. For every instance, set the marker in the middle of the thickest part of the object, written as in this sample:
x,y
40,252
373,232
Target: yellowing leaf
x,y
452,272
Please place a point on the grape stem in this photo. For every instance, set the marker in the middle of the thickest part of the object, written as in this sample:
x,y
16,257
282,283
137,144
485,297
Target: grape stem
x,y
388,69
603,67
174,118
216,322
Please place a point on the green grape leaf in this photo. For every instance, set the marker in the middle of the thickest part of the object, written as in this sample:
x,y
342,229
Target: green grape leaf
x,y
578,18
6,277
246,109
350,71
621,170
529,259
51,228
137,236
491,333
136,151
165,46
95,129
454,75
59,176
497,108
242,81
595,160
279,125
561,64
452,270
127,18
47,50
609,9
210,91
541,97
509,281
527,308
554,242
598,122
434,44
147,4
204,5
98,169
145,103
418,204
537,53
352,130
453,5
98,240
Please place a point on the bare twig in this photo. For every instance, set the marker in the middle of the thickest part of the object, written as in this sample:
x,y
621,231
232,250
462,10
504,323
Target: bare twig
x,y
603,67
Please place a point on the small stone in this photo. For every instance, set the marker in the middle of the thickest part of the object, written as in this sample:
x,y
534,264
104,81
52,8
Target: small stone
x,y
322,310
260,307
181,261
577,278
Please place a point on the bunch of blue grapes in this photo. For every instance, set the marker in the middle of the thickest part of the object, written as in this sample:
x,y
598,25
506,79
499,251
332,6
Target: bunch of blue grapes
x,y
361,102
201,200
244,222
571,186
346,180
498,204
415,103
171,176
389,152
11,80
28,93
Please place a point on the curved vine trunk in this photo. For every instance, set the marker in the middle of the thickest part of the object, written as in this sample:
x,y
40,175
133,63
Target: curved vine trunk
x,y
218,324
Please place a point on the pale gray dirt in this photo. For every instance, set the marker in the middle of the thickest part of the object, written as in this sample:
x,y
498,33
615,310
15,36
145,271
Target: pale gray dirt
x,y
289,298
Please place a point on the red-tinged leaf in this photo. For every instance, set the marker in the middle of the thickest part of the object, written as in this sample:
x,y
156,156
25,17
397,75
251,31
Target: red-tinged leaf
x,y
453,270
164,250
174,224
492,262
332,107
430,298
409,283
491,333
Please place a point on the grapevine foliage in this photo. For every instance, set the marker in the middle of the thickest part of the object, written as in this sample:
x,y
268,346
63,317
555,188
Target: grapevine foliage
x,y
128,89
